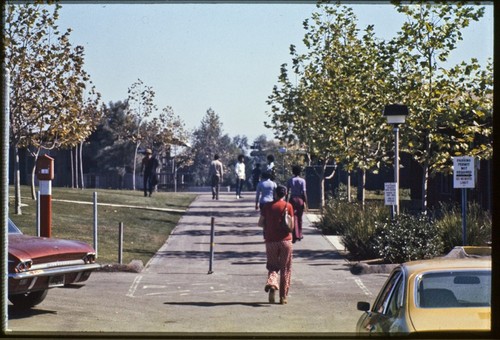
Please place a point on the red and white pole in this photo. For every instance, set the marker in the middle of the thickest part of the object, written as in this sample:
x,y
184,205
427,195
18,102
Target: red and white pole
x,y
45,174
45,208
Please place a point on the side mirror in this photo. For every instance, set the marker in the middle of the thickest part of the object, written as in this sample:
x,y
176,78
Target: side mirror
x,y
363,306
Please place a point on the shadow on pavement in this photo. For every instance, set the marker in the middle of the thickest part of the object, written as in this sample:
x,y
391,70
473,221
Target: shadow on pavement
x,y
15,313
216,304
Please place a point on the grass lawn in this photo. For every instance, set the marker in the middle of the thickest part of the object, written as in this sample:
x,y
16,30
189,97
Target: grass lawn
x,y
145,231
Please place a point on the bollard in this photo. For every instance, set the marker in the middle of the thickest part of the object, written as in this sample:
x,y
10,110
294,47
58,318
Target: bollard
x,y
212,236
45,175
120,243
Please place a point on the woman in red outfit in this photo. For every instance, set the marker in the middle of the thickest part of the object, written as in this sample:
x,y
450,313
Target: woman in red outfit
x,y
278,247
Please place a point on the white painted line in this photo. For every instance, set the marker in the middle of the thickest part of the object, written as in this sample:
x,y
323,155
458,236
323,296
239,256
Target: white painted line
x,y
153,287
362,286
134,286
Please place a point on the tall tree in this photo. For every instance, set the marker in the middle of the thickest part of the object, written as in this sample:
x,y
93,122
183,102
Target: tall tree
x,y
109,148
47,82
209,139
334,110
140,107
437,98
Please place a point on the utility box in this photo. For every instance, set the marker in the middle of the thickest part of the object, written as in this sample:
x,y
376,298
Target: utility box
x,y
45,168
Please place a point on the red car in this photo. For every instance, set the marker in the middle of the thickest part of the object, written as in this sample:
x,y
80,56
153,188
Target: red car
x,y
39,263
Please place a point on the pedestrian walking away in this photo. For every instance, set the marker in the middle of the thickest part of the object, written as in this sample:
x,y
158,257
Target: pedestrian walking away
x,y
215,175
270,167
256,173
296,187
265,192
149,167
279,247
240,175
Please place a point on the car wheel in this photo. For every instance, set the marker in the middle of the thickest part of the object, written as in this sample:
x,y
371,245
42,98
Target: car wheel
x,y
28,300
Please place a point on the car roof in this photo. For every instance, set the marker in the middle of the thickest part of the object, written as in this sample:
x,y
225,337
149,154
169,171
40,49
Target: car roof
x,y
459,258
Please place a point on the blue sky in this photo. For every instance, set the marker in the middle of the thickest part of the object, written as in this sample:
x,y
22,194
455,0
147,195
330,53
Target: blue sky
x,y
221,56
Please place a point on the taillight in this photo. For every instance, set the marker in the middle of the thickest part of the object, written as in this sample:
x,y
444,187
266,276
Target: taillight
x,y
23,266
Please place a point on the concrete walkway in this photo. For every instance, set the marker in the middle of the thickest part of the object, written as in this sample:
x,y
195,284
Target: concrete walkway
x,y
323,292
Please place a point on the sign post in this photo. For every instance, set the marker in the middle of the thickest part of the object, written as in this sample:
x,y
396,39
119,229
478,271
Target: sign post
x,y
391,196
463,178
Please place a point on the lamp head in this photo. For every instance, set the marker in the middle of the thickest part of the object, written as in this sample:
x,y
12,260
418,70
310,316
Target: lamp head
x,y
396,113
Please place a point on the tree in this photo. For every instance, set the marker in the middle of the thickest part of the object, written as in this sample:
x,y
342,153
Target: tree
x,y
47,83
445,114
334,110
209,140
141,106
108,149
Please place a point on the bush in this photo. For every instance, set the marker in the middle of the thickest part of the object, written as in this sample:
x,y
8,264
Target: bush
x,y
478,224
408,238
355,223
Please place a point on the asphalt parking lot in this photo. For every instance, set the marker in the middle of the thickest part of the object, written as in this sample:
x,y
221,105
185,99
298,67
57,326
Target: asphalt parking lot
x,y
175,294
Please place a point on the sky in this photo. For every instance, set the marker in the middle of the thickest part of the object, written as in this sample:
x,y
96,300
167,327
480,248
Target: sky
x,y
226,57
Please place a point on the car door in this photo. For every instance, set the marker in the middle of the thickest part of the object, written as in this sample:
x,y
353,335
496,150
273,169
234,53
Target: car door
x,y
384,316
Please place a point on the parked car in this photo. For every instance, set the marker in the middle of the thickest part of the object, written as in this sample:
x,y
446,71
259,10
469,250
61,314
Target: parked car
x,y
39,263
450,293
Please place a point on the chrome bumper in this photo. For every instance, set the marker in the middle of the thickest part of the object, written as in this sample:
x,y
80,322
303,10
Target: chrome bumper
x,y
54,271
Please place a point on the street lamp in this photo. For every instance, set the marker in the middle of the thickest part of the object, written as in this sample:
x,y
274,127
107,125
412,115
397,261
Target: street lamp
x,y
396,114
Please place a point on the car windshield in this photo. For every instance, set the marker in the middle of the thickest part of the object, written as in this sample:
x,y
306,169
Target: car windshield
x,y
13,229
454,289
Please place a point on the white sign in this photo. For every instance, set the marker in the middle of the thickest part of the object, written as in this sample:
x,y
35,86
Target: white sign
x,y
390,193
463,172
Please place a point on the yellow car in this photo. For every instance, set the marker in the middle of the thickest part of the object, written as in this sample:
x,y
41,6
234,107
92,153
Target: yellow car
x,y
446,294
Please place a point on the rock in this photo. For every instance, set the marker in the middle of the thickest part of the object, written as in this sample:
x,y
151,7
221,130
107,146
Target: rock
x,y
361,268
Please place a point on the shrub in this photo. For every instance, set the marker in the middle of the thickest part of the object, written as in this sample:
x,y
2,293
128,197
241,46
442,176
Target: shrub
x,y
355,223
478,225
408,238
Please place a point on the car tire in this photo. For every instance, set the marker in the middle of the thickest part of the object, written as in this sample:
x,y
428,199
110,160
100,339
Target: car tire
x,y
28,300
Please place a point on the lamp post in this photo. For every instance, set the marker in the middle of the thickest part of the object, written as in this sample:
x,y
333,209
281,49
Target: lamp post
x,y
396,114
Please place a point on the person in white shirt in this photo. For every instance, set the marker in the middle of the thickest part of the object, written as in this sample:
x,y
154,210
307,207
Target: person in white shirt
x,y
240,175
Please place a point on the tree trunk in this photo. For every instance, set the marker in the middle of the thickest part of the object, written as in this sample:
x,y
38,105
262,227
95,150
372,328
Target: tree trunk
x,y
82,183
361,186
425,184
17,183
33,171
135,161
349,187
72,169
322,183
76,167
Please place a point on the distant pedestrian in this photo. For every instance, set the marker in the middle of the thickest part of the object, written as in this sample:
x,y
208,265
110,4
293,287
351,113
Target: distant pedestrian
x,y
278,247
149,167
215,175
240,175
266,191
298,198
256,173
270,167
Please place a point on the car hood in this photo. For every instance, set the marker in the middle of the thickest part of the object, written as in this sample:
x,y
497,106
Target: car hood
x,y
26,247
451,319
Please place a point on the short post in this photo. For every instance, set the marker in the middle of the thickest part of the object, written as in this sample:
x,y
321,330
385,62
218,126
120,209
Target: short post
x,y
120,243
95,223
212,236
45,175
